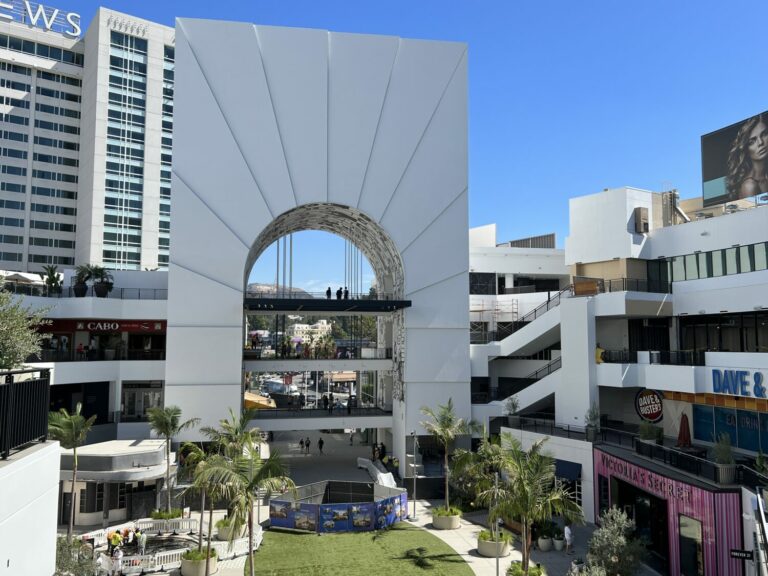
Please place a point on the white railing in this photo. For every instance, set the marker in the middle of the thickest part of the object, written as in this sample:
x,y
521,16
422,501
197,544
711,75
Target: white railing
x,y
170,559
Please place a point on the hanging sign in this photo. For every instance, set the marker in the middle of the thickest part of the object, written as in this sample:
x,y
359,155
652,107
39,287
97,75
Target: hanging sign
x,y
649,406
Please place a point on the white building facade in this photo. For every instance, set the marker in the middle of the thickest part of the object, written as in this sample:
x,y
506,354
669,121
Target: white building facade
x,y
85,140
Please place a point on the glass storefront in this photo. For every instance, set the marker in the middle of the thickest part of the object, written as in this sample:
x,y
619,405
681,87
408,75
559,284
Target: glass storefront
x,y
747,429
691,552
138,398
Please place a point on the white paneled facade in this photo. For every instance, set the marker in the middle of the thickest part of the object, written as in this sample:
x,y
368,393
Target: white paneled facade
x,y
271,120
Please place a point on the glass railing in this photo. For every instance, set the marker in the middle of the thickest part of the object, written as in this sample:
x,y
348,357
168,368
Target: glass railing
x,y
339,353
666,357
96,355
334,295
69,292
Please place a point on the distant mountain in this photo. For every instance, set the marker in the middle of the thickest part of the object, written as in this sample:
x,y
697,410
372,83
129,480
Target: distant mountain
x,y
270,289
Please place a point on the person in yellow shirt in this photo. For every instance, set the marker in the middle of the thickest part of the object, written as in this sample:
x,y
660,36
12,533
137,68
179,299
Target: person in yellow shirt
x,y
599,354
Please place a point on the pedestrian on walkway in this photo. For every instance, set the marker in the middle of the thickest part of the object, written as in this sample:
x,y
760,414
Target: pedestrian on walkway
x,y
568,538
330,403
351,437
301,445
307,442
320,444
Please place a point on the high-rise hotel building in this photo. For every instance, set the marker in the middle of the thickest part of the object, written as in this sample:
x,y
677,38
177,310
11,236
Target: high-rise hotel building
x,y
86,128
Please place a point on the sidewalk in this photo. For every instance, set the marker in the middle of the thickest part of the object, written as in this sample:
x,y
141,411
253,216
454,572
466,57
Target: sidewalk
x,y
464,542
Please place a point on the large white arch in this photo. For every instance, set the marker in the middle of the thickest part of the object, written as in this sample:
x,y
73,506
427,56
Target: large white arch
x,y
270,119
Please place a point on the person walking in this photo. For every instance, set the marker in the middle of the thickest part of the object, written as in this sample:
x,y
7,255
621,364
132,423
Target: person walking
x,y
301,445
568,538
142,543
352,438
307,443
320,444
325,401
330,403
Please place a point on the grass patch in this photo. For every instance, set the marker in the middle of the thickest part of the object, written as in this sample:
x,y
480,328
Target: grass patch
x,y
402,550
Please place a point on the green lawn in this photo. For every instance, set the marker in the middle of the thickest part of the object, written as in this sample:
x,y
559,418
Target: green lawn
x,y
394,552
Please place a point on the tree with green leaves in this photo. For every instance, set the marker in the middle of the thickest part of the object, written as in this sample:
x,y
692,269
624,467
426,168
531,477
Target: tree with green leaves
x,y
233,433
531,494
241,477
445,427
195,459
71,430
612,546
19,335
166,422
208,485
70,561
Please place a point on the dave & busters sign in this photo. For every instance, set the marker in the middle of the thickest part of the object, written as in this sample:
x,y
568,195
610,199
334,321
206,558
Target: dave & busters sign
x,y
649,406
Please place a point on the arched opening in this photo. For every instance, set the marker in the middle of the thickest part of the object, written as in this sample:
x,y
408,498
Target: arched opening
x,y
349,223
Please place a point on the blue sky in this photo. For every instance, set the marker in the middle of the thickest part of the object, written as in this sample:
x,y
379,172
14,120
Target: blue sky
x,y
566,98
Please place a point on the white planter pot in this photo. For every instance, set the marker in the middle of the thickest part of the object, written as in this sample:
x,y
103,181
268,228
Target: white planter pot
x,y
493,549
545,544
225,532
726,473
559,544
446,522
196,567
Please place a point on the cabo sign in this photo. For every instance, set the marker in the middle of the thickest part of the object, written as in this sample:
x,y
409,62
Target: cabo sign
x,y
51,19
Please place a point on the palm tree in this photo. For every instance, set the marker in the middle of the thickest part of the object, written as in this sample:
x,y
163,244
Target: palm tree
x,y
71,431
166,422
475,472
206,485
530,493
241,477
195,459
233,433
444,426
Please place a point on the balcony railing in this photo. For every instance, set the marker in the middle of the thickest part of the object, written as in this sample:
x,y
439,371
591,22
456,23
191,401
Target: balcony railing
x,y
337,412
23,408
345,353
302,295
96,355
68,292
666,357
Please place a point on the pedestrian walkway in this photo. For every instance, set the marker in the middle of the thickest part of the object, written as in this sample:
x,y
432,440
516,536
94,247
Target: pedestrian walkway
x,y
464,542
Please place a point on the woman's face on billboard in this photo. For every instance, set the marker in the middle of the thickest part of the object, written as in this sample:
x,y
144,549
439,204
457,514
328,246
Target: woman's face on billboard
x,y
758,142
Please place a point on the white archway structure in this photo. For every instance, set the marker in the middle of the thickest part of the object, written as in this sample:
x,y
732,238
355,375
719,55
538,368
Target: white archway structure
x,y
279,129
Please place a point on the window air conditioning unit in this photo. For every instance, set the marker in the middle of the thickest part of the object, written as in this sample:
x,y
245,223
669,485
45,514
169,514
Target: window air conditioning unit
x,y
641,220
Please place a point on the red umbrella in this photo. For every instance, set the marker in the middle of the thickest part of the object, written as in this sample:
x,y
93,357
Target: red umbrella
x,y
684,435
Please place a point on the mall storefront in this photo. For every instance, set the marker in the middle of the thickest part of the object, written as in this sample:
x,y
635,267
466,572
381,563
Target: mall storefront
x,y
690,529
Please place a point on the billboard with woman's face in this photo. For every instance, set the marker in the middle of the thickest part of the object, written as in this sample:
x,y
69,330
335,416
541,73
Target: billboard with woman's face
x,y
734,161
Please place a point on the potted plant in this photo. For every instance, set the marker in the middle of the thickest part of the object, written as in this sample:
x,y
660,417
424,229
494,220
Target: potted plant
x,y
193,562
516,569
227,528
545,536
648,434
50,276
82,275
102,281
446,518
726,465
592,422
494,546
512,405
558,539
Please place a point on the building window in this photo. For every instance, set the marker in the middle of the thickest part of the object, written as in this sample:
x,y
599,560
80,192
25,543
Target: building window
x,y
92,498
691,552
482,283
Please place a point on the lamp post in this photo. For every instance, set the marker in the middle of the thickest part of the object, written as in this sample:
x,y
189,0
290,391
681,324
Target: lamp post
x,y
414,444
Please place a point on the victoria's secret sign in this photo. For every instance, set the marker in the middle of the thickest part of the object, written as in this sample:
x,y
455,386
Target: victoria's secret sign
x,y
642,478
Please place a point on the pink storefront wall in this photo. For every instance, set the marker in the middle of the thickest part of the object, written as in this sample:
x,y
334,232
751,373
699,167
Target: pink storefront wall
x,y
718,512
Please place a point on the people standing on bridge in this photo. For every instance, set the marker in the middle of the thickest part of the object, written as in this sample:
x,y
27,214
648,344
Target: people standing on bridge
x,y
325,402
346,293
307,443
320,444
338,293
330,403
301,445
328,293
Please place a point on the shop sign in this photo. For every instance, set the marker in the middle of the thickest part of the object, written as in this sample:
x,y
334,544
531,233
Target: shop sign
x,y
649,406
103,325
662,486
742,554
747,383
50,19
